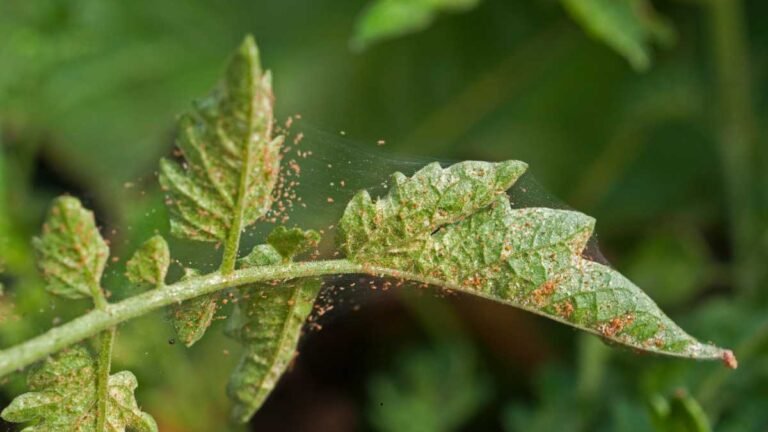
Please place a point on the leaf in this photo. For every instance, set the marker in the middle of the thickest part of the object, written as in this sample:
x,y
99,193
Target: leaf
x,y
291,242
63,398
681,413
149,264
71,252
231,159
268,323
193,317
387,19
627,26
417,206
455,228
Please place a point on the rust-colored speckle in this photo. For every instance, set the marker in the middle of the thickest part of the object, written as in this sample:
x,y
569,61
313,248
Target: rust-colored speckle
x,y
565,309
543,292
730,360
616,325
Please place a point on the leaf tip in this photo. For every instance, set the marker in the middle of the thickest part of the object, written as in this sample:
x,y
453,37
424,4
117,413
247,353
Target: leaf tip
x,y
508,172
729,359
249,51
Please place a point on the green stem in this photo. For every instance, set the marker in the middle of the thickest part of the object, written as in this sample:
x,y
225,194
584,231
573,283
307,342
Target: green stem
x,y
99,319
105,363
737,131
88,325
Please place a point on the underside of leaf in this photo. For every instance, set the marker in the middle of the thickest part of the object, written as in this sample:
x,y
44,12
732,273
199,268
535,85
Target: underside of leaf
x,y
231,160
63,398
192,318
71,252
268,323
149,264
529,258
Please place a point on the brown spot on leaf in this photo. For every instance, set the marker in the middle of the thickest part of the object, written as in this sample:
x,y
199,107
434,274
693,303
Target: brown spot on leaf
x,y
543,292
616,325
730,360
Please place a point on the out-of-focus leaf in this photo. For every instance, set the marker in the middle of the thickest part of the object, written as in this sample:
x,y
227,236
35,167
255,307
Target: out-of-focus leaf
x,y
149,264
671,266
455,228
436,389
232,160
63,398
72,253
291,242
627,26
268,323
386,19
193,317
680,413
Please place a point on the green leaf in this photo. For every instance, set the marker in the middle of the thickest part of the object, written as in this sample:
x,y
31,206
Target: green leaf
x,y
71,252
387,19
231,158
268,322
291,242
681,413
417,206
455,228
261,255
63,398
193,317
149,264
272,318
627,26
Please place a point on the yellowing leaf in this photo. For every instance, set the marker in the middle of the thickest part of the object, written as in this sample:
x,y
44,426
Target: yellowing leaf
x,y
149,264
231,159
455,228
63,398
71,252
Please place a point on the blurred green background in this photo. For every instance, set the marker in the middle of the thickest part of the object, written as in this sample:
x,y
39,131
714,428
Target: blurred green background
x,y
650,117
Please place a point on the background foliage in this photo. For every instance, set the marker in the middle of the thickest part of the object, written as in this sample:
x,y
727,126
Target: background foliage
x,y
653,122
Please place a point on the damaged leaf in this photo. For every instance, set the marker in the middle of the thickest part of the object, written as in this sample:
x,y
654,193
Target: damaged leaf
x,y
71,252
455,228
149,264
231,159
63,395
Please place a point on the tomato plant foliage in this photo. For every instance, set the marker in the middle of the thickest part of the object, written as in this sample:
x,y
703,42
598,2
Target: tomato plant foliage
x,y
451,227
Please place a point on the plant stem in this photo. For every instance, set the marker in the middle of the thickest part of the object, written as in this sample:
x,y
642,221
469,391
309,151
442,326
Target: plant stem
x,y
105,364
101,319
737,131
85,326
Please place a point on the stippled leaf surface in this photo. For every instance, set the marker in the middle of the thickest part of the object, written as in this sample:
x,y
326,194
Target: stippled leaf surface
x,y
628,26
268,323
231,160
63,398
455,228
71,252
291,242
193,317
386,19
149,264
